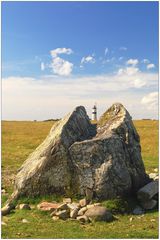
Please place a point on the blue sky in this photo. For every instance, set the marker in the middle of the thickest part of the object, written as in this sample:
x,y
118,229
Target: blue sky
x,y
63,54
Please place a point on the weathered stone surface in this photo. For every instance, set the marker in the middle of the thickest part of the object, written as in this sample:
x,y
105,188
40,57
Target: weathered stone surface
x,y
25,221
53,213
48,169
73,206
74,213
138,210
24,206
83,202
76,157
148,191
82,211
153,175
7,208
55,218
99,213
150,204
3,223
48,206
110,163
64,214
62,206
91,205
83,219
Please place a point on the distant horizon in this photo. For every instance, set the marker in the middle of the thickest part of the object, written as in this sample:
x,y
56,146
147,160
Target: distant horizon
x,y
58,55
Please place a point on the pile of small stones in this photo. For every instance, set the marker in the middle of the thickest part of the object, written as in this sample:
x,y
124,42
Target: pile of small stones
x,y
81,211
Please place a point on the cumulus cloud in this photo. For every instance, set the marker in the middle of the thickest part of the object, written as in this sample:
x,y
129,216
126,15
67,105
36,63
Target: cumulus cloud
x,y
58,51
150,66
123,48
128,71
58,65
145,61
61,67
88,59
132,62
42,66
106,51
150,100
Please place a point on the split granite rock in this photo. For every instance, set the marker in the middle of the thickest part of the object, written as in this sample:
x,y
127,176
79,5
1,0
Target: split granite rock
x,y
76,157
110,163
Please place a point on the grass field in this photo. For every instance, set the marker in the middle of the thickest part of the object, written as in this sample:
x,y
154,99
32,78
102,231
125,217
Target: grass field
x,y
19,139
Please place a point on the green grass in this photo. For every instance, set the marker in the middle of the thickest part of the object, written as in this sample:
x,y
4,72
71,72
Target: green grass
x,y
42,226
19,139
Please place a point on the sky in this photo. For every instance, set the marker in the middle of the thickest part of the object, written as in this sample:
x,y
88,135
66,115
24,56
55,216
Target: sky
x,y
59,55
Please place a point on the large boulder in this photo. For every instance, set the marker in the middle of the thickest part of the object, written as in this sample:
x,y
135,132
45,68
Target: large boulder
x,y
110,163
49,168
75,157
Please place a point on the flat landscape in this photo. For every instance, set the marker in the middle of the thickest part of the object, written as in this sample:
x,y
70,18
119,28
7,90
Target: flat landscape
x,y
19,139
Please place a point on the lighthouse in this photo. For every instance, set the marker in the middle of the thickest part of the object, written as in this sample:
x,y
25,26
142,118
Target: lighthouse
x,y
94,113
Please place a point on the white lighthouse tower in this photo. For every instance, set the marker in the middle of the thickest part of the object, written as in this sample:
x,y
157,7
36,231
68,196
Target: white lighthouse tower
x,y
94,113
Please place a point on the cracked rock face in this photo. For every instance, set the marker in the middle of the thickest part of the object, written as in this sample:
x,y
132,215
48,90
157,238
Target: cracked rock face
x,y
77,157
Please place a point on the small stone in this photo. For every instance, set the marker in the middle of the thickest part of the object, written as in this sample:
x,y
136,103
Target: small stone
x,y
47,206
83,219
73,206
64,214
156,170
153,175
3,223
138,210
131,219
25,221
74,213
55,218
53,213
99,213
82,211
90,206
62,206
23,206
3,191
67,200
153,220
83,202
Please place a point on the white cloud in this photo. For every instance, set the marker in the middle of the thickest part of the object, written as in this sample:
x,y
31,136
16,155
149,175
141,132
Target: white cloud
x,y
106,51
150,66
61,67
139,83
145,61
150,100
58,51
42,66
58,65
53,97
123,48
128,71
132,62
88,59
